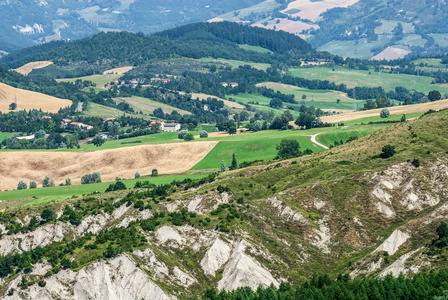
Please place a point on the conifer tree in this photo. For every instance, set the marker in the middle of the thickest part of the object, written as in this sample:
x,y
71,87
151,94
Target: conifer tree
x,y
234,164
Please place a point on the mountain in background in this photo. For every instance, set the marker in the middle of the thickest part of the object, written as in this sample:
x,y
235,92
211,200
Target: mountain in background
x,y
350,28
30,22
356,28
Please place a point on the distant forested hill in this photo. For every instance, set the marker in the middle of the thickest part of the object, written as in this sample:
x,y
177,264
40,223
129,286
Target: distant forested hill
x,y
278,42
29,22
108,50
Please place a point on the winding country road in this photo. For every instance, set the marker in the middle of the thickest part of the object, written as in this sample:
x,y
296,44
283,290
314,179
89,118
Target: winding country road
x,y
313,140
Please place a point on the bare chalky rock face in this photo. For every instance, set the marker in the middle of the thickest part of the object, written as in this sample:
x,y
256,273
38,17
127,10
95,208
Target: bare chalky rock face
x,y
216,257
242,270
116,279
393,242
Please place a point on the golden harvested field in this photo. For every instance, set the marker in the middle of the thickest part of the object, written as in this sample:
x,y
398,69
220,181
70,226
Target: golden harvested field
x,y
396,110
311,10
26,69
29,100
122,162
121,70
391,53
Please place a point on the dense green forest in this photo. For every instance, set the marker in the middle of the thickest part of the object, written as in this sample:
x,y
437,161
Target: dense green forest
x,y
422,286
107,50
277,41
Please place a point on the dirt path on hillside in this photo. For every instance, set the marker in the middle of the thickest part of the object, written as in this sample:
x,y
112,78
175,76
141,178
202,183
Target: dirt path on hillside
x,y
313,139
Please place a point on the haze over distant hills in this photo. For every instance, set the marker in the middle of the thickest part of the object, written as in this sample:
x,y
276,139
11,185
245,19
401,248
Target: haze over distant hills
x,y
350,28
25,23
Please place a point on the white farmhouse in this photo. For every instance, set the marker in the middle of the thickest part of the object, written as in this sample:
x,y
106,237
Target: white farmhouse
x,y
171,127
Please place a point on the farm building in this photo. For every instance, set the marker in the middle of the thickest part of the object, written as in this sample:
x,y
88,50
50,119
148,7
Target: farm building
x,y
171,127
162,125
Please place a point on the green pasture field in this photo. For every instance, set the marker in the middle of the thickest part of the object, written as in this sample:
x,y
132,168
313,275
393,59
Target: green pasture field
x,y
99,80
355,49
441,39
209,128
379,119
255,146
158,138
263,103
4,135
387,26
431,62
102,111
413,40
58,193
324,99
362,78
328,138
235,63
257,8
147,106
255,48
246,98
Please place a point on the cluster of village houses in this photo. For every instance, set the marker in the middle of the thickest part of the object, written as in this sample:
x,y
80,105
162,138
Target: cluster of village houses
x,y
67,123
133,83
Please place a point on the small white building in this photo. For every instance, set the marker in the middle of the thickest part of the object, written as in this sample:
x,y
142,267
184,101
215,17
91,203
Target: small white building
x,y
171,127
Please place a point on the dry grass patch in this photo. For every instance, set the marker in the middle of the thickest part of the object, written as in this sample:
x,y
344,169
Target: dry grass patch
x,y
294,27
121,70
123,162
311,10
29,100
396,110
391,53
26,69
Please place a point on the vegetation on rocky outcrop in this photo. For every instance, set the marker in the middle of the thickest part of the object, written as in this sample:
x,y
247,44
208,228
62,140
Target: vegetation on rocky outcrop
x,y
343,211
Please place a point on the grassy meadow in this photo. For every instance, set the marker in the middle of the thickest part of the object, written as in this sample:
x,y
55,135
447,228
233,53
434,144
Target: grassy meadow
x,y
147,106
324,99
255,48
100,80
354,78
344,133
235,63
43,195
4,135
249,150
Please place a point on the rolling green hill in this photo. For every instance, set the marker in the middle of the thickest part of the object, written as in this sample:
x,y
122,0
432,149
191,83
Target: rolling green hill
x,y
340,211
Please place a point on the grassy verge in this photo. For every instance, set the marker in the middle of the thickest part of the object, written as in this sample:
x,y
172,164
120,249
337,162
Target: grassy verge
x,y
328,138
44,195
379,119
